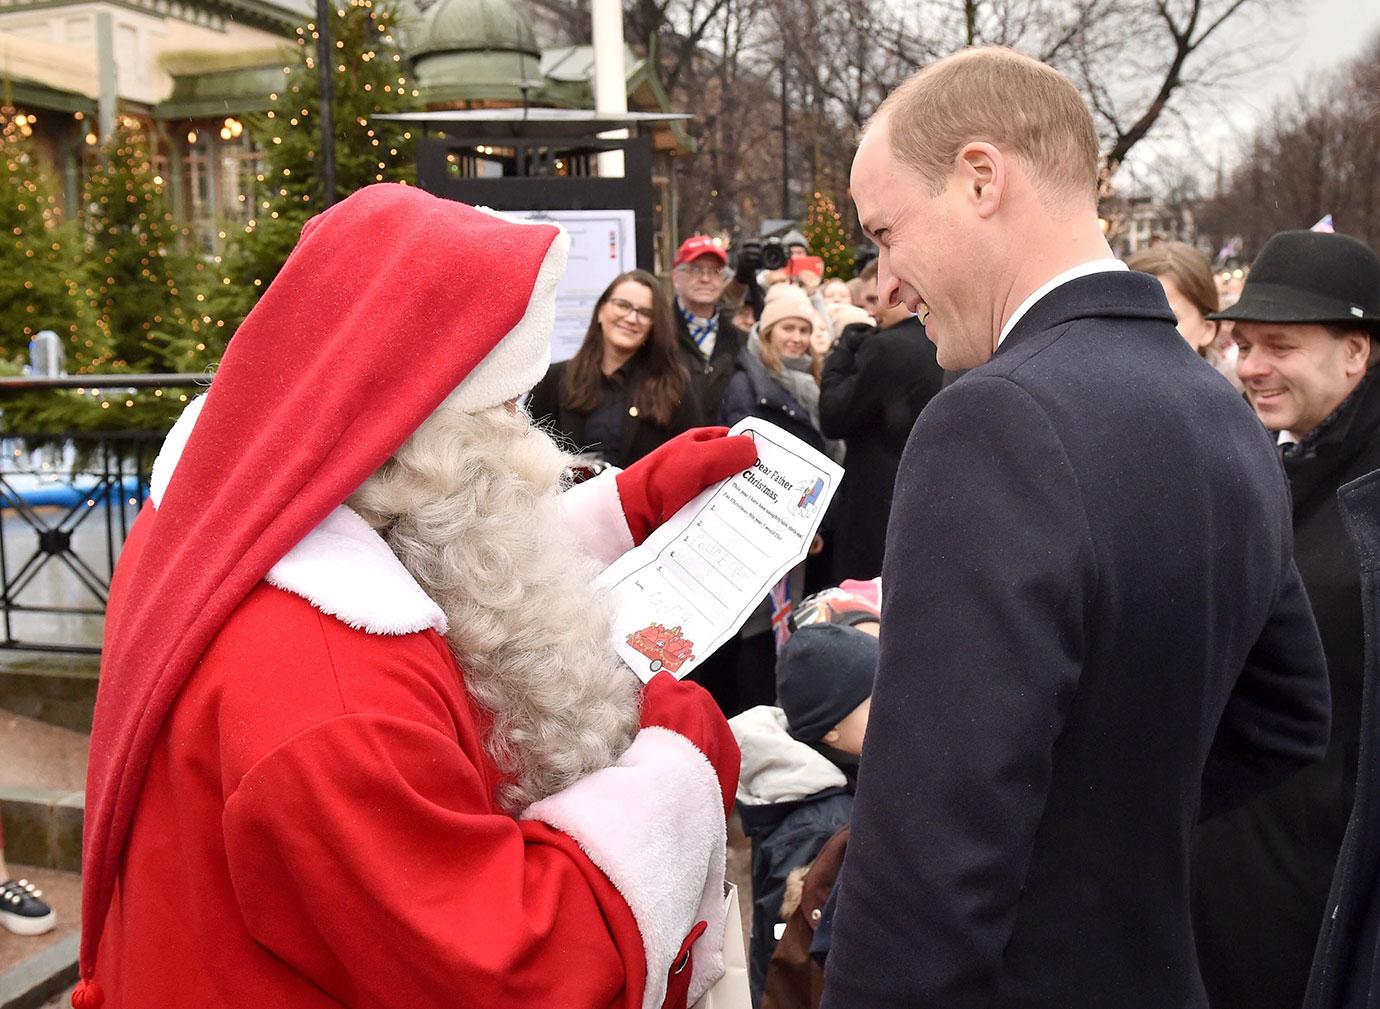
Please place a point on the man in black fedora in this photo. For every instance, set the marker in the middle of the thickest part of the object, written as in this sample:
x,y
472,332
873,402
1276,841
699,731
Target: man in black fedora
x,y
1306,327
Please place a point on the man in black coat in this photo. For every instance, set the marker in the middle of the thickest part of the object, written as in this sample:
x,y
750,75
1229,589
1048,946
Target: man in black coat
x,y
1304,326
1346,969
708,341
875,383
1092,626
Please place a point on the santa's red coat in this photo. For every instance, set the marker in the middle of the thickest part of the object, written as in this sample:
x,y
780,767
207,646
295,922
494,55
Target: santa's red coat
x,y
317,824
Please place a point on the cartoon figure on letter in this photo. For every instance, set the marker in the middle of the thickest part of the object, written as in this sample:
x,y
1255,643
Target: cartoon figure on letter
x,y
811,494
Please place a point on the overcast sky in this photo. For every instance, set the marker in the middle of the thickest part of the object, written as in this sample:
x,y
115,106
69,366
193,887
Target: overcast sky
x,y
1318,36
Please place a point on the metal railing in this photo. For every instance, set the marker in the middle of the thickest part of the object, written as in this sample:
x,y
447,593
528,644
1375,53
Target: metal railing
x,y
66,507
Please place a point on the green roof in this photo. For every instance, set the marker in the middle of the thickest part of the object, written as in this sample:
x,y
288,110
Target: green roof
x,y
467,26
222,92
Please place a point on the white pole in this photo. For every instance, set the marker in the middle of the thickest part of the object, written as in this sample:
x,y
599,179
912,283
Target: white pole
x,y
610,79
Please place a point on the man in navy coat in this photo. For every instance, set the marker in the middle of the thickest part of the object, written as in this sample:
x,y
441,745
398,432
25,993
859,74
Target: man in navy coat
x,y
1093,629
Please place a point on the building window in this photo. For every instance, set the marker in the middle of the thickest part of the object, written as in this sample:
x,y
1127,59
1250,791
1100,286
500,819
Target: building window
x,y
220,182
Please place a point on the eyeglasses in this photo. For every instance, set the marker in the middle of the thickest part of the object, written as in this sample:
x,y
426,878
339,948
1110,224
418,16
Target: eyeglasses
x,y
625,308
703,272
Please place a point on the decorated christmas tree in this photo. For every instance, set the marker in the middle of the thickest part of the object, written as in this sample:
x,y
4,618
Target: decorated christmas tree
x,y
136,271
828,239
38,289
369,78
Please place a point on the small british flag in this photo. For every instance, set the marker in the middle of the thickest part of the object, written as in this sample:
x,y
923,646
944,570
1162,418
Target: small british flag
x,y
781,607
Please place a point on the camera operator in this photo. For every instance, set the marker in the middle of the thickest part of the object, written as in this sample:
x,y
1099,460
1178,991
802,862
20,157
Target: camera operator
x,y
706,338
750,258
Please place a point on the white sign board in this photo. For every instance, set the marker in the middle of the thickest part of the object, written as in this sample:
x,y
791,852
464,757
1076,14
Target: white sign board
x,y
602,245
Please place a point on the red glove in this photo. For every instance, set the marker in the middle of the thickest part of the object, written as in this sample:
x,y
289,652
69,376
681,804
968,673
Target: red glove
x,y
688,709
660,484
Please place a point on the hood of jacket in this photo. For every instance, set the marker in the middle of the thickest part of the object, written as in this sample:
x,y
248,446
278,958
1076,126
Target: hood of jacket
x,y
777,768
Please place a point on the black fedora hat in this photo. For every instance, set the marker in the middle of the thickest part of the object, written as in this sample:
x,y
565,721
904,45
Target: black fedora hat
x,y
1311,276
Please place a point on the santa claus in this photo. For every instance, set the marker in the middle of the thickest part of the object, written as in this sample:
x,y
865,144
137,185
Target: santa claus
x,y
361,739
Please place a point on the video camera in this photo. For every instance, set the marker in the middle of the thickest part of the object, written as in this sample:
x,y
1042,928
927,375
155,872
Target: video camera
x,y
761,254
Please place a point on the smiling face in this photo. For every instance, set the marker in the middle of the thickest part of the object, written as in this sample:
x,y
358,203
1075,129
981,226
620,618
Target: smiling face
x,y
790,337
1296,374
699,283
926,256
625,319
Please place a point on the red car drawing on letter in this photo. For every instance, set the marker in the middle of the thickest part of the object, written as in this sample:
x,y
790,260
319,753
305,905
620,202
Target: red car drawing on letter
x,y
664,646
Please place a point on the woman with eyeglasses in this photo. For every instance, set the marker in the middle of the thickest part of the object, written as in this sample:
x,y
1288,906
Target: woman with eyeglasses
x,y
625,391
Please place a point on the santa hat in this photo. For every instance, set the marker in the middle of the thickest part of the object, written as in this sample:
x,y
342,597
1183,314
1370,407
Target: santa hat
x,y
392,301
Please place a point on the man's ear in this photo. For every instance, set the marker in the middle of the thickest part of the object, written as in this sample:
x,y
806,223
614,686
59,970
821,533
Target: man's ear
x,y
982,171
1359,349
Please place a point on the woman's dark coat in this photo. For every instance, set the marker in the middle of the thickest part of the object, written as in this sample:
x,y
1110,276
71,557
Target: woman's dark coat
x,y
638,433
1262,872
752,392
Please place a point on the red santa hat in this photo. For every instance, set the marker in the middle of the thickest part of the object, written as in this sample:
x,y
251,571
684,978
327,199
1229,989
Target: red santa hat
x,y
392,301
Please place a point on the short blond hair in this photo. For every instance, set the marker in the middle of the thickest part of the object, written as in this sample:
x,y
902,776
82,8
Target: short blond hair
x,y
998,96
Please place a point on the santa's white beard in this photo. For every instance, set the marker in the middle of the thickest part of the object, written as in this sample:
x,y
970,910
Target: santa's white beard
x,y
469,505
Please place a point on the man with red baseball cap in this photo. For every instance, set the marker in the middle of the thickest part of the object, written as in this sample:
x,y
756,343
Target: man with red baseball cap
x,y
361,739
709,342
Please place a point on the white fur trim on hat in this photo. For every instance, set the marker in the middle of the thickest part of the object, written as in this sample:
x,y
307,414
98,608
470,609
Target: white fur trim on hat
x,y
522,357
654,825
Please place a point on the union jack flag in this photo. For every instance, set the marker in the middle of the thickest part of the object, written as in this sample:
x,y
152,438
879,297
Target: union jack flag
x,y
781,607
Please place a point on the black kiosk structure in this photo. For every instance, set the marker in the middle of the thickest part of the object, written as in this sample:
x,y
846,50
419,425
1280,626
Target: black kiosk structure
x,y
541,159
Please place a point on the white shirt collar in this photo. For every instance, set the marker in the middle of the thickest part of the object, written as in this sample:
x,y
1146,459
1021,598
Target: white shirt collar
x,y
1081,270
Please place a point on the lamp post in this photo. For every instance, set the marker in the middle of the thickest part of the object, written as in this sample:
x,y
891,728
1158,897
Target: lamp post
x,y
610,76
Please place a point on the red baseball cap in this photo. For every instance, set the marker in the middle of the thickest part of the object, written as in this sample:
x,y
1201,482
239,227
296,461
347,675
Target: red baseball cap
x,y
696,246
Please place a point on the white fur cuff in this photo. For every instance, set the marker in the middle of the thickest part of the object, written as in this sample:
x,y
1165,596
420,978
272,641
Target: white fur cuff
x,y
591,513
654,825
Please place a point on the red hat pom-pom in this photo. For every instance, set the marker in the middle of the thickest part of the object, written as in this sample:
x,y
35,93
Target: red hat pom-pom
x,y
87,995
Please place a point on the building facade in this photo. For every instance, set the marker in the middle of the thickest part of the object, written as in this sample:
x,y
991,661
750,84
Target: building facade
x,y
191,71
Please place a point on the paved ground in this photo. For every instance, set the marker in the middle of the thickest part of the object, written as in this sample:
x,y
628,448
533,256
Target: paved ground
x,y
38,755
60,889
60,1001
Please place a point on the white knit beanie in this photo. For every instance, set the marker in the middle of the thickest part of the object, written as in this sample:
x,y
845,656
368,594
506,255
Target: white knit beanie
x,y
786,307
